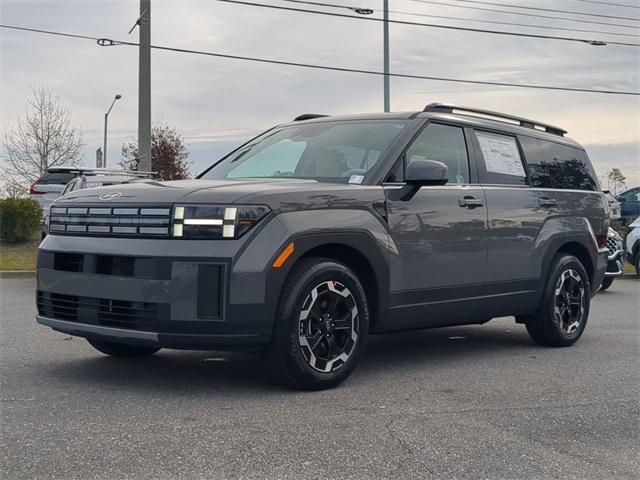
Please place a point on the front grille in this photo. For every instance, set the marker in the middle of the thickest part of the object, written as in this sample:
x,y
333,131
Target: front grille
x,y
106,312
116,221
613,244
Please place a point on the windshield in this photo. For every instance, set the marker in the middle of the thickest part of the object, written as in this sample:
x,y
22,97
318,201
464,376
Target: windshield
x,y
338,152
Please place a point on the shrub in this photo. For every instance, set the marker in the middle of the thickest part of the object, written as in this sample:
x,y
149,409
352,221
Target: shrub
x,y
19,219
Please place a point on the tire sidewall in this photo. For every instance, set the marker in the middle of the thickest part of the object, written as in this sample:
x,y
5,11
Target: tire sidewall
x,y
289,313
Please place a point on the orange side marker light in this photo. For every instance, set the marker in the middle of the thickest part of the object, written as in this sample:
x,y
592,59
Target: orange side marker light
x,y
286,253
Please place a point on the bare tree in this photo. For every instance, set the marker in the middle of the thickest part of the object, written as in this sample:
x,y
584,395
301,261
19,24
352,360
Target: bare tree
x,y
616,180
43,137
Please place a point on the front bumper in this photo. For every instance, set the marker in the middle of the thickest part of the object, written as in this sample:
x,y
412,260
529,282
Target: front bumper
x,y
615,264
153,339
166,293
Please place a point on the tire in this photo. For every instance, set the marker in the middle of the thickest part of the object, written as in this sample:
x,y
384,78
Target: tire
x,y
308,335
637,265
562,315
121,350
606,283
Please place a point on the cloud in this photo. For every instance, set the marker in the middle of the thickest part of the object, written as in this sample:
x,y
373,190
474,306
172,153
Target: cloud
x,y
216,102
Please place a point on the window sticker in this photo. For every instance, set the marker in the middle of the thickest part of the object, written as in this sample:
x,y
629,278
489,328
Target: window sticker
x,y
356,179
500,154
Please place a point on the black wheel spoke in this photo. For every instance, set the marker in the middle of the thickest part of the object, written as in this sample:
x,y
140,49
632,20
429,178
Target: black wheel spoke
x,y
315,340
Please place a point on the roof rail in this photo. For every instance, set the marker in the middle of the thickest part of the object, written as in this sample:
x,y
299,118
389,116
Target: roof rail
x,y
130,173
102,171
523,122
308,116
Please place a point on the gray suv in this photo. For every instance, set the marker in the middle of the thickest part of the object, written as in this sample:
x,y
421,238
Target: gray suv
x,y
325,230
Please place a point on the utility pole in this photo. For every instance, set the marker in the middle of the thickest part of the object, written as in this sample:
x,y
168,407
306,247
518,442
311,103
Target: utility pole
x,y
387,100
144,87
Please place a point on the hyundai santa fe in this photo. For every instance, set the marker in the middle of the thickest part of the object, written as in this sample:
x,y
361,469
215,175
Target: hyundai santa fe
x,y
325,230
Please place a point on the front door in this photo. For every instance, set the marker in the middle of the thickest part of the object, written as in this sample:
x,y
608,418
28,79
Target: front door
x,y
437,275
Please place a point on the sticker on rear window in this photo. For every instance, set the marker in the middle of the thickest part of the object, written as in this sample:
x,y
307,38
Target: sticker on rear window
x,y
500,154
356,179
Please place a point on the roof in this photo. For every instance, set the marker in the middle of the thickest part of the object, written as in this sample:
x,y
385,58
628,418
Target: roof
x,y
466,115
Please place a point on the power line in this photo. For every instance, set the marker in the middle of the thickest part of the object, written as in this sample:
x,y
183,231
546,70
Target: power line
x,y
109,42
625,5
493,10
495,22
540,9
433,25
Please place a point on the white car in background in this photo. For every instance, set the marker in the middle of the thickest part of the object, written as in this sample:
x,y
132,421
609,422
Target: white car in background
x,y
50,185
633,245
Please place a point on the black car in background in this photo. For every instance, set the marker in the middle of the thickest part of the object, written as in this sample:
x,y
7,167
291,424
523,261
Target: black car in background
x,y
629,204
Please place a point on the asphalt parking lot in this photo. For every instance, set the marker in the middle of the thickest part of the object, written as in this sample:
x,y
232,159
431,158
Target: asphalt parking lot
x,y
468,402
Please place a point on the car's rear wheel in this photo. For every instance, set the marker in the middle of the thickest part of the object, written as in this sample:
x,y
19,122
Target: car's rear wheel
x,y
606,283
562,315
121,350
321,326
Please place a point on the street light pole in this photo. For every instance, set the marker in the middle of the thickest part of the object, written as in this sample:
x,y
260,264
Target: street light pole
x,y
106,120
385,39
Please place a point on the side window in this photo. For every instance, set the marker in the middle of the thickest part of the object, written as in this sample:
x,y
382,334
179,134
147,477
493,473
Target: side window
x,y
445,144
631,196
68,188
502,164
553,165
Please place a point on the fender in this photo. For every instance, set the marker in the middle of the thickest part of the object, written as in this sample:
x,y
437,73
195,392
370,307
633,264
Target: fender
x,y
358,229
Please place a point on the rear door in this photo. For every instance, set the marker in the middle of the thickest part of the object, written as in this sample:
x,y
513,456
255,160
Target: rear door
x,y
438,272
516,215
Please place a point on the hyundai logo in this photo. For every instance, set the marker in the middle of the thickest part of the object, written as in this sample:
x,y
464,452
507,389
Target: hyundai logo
x,y
110,196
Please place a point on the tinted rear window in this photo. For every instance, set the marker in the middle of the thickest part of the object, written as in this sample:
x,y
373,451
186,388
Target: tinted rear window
x,y
55,178
552,165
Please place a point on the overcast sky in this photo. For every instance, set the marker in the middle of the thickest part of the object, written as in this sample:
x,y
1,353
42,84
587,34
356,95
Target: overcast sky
x,y
217,104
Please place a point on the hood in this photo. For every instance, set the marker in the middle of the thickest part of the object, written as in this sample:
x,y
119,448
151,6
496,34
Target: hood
x,y
196,191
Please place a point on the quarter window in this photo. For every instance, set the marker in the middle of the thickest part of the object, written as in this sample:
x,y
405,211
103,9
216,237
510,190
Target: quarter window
x,y
446,144
553,165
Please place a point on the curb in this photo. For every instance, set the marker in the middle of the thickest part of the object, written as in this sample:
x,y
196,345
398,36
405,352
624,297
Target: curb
x,y
17,273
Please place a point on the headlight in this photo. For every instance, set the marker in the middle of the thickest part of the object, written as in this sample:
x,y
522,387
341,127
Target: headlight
x,y
215,221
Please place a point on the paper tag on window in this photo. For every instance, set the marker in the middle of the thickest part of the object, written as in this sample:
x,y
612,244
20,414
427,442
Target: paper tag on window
x,y
459,179
356,179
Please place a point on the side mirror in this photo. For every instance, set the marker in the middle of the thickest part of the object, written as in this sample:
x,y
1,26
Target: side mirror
x,y
420,172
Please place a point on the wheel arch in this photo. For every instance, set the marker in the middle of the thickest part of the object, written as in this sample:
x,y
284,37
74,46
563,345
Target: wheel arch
x,y
579,247
357,250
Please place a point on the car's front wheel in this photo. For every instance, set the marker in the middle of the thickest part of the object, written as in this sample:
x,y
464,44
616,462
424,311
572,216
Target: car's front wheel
x,y
606,283
562,315
321,326
121,350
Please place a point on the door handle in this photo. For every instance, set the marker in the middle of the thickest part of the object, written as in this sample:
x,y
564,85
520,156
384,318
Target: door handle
x,y
547,202
469,202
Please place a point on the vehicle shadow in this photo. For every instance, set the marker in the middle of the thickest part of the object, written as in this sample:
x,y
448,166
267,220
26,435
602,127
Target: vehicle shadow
x,y
187,373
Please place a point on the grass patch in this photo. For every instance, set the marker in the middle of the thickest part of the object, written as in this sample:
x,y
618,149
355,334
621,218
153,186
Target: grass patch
x,y
628,268
19,257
